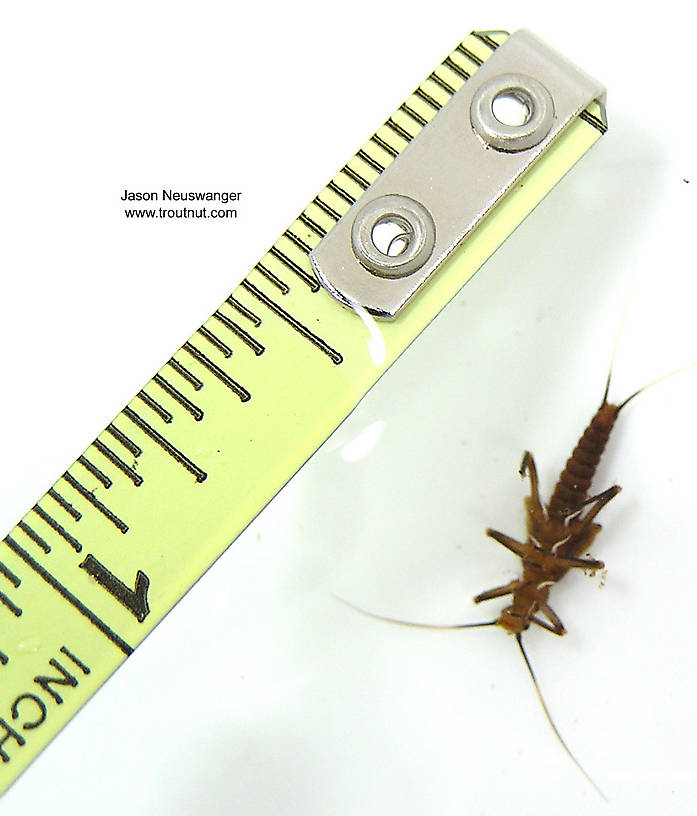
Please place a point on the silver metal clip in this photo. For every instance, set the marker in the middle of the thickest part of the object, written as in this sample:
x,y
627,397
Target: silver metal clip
x,y
444,182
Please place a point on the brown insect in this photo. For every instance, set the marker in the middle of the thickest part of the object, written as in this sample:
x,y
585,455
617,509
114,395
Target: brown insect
x,y
559,536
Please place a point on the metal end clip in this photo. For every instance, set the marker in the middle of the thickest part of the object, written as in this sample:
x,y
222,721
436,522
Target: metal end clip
x,y
444,183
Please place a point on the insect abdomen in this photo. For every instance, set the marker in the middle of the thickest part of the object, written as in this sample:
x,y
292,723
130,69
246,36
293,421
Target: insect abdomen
x,y
574,483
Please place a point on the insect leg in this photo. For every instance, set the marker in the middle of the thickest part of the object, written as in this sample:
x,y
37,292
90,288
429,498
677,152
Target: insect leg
x,y
557,626
511,544
600,501
545,625
528,467
582,563
497,592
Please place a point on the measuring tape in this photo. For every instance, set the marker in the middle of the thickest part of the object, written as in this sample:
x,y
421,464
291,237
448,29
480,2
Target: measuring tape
x,y
99,560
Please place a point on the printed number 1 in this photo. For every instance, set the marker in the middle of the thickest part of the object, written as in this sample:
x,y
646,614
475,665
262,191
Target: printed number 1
x,y
135,600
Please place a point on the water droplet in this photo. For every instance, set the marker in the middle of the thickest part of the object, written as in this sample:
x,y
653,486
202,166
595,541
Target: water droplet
x,y
30,645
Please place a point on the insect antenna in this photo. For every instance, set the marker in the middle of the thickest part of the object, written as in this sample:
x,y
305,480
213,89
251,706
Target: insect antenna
x,y
400,622
519,638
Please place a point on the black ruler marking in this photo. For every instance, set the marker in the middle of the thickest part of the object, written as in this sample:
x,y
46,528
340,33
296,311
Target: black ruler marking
x,y
412,114
269,275
135,600
310,224
62,532
238,331
215,341
592,120
355,177
306,277
333,354
95,471
326,209
398,129
177,395
155,406
68,596
299,243
217,372
11,577
94,501
244,311
121,437
383,145
5,601
428,99
166,446
338,190
56,496
109,454
471,56
486,39
370,161
456,69
184,372
441,83
76,660
35,537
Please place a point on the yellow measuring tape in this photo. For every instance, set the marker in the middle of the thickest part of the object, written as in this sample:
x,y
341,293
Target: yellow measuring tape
x,y
99,560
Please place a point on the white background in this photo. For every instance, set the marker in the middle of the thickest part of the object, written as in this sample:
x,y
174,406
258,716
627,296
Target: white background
x,y
260,694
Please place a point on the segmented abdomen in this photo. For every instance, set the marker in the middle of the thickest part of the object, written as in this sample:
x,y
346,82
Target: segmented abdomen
x,y
574,483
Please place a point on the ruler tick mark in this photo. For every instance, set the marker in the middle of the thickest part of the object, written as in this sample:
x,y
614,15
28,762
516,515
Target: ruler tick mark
x,y
244,311
177,395
184,372
471,56
42,514
370,161
412,114
355,177
399,130
56,496
155,406
299,243
441,83
383,145
269,275
215,341
333,355
456,69
94,501
35,537
109,454
428,99
310,224
166,446
330,211
488,41
217,372
593,121
11,577
124,440
306,277
255,346
67,595
335,188
5,601
95,471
